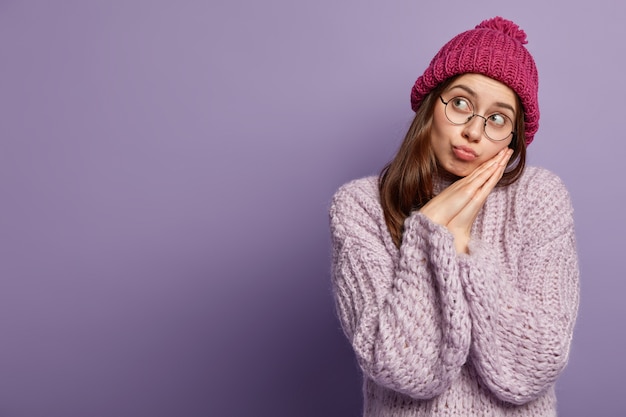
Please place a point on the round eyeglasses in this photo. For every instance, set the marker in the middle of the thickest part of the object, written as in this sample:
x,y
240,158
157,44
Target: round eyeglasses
x,y
459,111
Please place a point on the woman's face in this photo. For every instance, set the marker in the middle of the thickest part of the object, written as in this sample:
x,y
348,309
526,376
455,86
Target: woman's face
x,y
460,148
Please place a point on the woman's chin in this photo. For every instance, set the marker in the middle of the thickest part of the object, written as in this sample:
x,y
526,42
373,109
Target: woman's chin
x,y
458,171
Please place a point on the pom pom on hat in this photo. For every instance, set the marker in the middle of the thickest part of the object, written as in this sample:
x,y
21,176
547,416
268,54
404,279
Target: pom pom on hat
x,y
494,48
505,26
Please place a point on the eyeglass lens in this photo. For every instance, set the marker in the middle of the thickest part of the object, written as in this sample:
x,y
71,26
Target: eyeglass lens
x,y
460,111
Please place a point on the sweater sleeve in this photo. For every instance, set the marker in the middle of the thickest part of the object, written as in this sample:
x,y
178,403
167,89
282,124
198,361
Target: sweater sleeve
x,y
522,325
403,311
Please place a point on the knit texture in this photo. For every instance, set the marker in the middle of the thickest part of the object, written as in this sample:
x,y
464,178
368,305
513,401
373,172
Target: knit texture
x,y
438,333
495,48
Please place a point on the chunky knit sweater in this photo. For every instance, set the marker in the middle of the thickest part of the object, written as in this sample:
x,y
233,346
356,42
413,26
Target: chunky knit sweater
x,y
438,333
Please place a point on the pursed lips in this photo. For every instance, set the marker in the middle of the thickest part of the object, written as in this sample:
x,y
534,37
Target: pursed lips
x,y
465,153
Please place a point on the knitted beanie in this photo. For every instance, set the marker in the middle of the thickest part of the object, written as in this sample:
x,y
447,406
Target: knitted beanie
x,y
495,48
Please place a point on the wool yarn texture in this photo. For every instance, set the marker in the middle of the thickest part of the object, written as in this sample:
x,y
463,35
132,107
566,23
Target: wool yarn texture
x,y
437,333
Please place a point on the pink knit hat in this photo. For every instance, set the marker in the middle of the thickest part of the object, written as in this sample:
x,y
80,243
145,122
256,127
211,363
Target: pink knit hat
x,y
495,48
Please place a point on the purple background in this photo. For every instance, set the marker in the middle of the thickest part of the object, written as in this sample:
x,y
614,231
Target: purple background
x,y
165,173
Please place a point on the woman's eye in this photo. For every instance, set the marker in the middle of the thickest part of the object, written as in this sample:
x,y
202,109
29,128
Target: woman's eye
x,y
461,104
497,119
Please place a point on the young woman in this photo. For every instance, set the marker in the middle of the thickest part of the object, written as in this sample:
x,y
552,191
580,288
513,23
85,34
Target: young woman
x,y
455,272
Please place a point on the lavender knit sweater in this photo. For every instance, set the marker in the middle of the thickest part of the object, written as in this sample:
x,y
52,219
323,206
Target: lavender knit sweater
x,y
441,334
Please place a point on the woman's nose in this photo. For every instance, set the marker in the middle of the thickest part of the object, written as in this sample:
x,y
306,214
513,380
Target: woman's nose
x,y
473,129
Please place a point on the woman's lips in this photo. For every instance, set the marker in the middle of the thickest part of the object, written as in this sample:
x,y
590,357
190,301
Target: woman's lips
x,y
464,153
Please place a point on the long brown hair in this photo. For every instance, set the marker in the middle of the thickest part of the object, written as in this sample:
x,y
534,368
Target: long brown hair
x,y
406,183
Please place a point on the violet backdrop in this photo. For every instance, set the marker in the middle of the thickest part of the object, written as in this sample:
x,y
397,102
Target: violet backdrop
x,y
165,173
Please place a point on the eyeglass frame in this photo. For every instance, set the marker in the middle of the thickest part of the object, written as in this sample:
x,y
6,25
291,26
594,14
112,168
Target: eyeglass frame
x,y
445,111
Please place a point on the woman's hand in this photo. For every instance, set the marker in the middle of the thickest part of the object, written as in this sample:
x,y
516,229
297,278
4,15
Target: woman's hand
x,y
457,206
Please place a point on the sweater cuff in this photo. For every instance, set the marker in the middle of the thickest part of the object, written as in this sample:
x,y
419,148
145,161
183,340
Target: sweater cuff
x,y
428,243
478,272
417,226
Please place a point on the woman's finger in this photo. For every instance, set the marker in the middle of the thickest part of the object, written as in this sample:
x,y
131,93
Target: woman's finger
x,y
447,204
474,204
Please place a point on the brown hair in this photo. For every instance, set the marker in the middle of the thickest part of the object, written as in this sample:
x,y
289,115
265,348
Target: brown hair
x,y
406,183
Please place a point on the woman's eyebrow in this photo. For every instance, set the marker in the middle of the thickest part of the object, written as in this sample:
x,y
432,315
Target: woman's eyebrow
x,y
472,93
467,89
